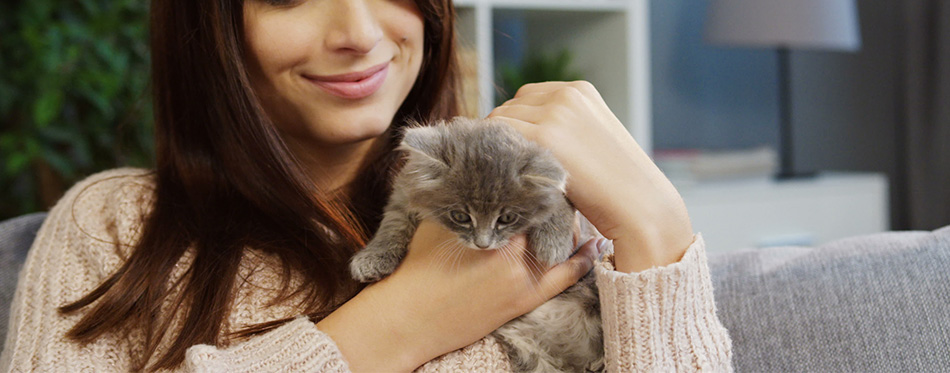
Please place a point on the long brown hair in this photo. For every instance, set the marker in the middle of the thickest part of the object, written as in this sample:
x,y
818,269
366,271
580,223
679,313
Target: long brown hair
x,y
225,180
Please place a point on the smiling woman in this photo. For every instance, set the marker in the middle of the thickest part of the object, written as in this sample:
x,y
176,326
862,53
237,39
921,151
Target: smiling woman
x,y
333,72
229,176
332,75
276,129
353,86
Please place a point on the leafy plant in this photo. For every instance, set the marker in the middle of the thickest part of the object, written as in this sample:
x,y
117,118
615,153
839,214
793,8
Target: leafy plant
x,y
73,97
537,67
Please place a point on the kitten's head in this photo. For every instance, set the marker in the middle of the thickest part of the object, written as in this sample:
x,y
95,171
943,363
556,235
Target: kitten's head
x,y
481,179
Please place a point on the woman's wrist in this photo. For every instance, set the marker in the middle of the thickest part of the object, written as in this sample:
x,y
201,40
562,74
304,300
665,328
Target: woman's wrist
x,y
633,255
655,237
372,336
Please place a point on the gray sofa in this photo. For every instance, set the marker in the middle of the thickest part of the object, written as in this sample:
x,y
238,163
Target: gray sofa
x,y
863,304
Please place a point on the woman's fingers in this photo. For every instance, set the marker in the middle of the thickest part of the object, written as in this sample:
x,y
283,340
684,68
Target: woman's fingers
x,y
541,106
578,231
542,124
527,129
561,112
583,87
536,88
547,282
565,274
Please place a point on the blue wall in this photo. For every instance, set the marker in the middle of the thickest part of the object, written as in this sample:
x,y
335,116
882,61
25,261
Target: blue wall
x,y
706,96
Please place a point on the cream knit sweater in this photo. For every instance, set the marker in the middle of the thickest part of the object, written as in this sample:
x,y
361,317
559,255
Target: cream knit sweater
x,y
662,319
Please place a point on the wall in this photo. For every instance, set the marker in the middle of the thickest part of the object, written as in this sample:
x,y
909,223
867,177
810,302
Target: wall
x,y
845,105
705,96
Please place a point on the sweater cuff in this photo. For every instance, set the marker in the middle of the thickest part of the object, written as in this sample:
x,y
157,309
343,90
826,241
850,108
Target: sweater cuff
x,y
663,318
297,346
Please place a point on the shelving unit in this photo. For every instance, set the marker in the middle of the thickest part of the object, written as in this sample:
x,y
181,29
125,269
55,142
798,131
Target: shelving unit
x,y
609,41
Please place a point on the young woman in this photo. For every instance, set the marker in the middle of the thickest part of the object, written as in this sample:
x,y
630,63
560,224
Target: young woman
x,y
276,122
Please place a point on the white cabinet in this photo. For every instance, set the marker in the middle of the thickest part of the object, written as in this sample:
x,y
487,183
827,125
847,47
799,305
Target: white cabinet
x,y
765,212
609,41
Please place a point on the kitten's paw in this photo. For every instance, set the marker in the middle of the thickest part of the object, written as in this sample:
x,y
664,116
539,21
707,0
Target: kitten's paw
x,y
551,248
371,265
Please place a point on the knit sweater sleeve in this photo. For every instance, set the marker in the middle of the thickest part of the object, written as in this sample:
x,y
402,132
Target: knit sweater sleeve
x,y
76,249
663,319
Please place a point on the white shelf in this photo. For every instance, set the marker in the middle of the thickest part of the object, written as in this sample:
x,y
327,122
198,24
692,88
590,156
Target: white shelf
x,y
609,41
764,212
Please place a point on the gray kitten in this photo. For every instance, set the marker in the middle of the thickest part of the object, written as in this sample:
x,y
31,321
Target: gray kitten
x,y
482,180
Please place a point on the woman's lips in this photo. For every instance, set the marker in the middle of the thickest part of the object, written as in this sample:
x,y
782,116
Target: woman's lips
x,y
353,85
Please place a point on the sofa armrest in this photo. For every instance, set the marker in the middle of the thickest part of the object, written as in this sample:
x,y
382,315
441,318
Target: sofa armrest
x,y
871,303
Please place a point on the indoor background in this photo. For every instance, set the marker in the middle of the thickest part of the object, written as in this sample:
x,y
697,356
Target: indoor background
x,y
73,101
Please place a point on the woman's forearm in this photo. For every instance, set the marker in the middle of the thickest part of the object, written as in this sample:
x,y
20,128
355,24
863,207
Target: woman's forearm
x,y
372,336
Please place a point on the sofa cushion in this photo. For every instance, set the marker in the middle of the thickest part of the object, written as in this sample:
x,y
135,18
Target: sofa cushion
x,y
871,303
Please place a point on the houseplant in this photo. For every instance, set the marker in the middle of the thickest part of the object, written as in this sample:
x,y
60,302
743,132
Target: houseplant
x,y
73,95
537,67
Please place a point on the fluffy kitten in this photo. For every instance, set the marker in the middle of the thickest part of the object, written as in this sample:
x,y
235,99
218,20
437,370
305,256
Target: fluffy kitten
x,y
485,182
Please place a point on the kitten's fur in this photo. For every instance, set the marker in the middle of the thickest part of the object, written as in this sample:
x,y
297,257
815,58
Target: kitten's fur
x,y
470,172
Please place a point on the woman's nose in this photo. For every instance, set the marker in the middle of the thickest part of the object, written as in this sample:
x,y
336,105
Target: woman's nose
x,y
354,28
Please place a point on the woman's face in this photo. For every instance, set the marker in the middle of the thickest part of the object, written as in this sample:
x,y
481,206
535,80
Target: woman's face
x,y
333,72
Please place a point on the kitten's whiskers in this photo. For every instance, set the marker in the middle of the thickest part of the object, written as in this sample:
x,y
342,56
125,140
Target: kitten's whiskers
x,y
509,256
441,254
447,250
461,253
534,273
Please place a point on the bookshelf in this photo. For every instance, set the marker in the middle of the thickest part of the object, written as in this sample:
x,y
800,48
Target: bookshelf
x,y
609,41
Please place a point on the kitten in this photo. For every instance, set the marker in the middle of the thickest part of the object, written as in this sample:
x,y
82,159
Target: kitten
x,y
482,180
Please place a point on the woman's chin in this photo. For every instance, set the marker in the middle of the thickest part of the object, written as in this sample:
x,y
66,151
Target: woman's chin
x,y
351,138
355,137
340,134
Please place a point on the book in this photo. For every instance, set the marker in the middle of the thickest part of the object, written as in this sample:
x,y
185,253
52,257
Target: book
x,y
697,165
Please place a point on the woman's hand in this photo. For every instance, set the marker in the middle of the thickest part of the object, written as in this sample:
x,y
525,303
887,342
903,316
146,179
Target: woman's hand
x,y
443,297
612,180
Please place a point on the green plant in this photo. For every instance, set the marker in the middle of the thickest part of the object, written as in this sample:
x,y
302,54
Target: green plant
x,y
73,95
537,67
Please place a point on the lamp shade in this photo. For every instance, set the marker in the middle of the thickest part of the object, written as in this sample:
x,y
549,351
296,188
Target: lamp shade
x,y
796,24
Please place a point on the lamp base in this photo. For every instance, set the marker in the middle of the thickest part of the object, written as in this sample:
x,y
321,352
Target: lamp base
x,y
790,175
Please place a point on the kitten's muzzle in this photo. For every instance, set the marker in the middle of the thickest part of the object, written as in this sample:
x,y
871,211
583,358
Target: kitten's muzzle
x,y
483,240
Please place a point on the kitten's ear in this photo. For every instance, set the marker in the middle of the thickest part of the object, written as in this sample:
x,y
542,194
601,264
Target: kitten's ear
x,y
560,185
545,171
424,141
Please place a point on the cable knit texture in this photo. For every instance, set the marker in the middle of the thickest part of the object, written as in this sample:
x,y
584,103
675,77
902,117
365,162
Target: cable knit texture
x,y
662,319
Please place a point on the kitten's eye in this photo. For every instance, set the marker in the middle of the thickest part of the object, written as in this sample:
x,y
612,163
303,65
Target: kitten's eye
x,y
460,217
507,218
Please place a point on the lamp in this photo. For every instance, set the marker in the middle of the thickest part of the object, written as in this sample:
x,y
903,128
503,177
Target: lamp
x,y
784,25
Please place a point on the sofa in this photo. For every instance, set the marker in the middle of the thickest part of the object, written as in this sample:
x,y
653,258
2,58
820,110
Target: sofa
x,y
876,303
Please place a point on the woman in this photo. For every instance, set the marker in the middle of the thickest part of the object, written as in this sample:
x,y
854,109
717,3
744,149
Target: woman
x,y
276,122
